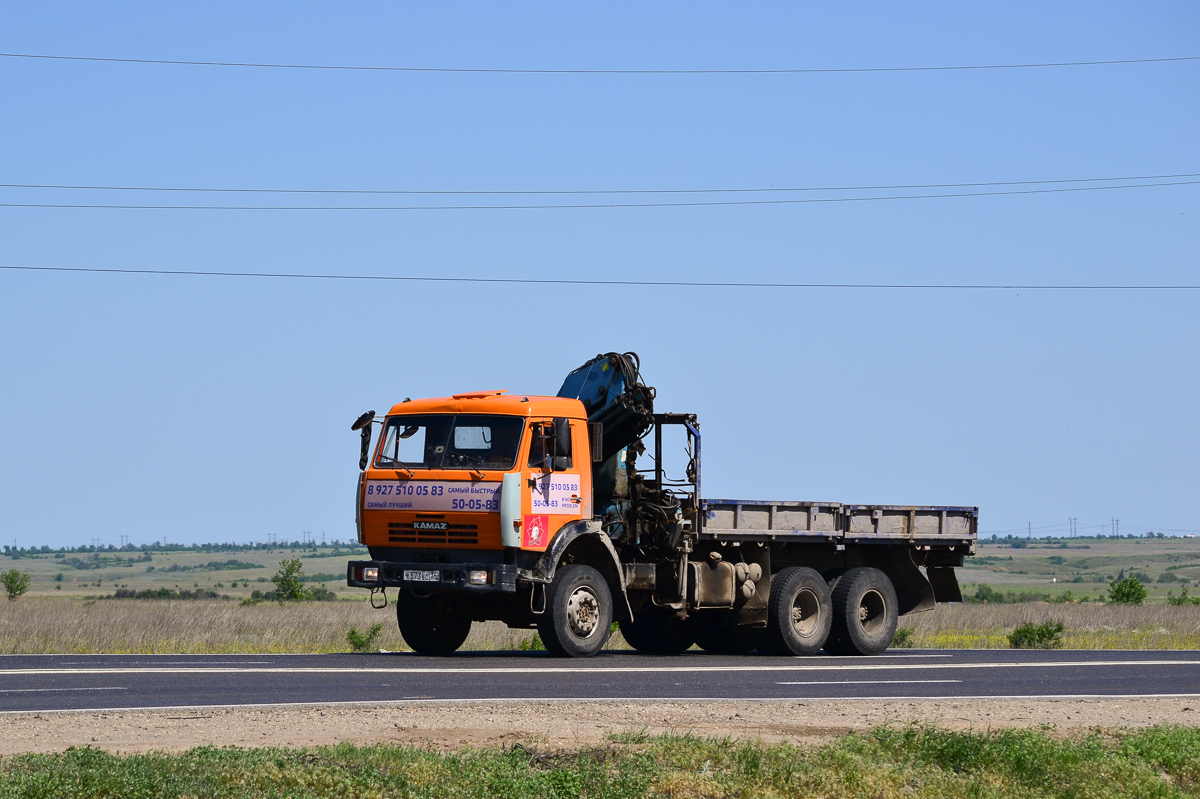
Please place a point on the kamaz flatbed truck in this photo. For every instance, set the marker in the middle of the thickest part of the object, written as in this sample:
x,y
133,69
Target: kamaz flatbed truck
x,y
536,511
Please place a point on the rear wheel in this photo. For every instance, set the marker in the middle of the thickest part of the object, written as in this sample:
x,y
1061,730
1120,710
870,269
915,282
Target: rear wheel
x,y
579,610
798,613
657,632
864,613
428,625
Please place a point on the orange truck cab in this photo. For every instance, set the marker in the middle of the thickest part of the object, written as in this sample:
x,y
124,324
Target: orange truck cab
x,y
533,511
464,495
462,479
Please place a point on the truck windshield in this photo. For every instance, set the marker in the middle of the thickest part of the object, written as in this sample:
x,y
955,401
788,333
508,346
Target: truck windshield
x,y
450,442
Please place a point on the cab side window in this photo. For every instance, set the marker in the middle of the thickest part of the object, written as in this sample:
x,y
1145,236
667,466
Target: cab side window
x,y
550,440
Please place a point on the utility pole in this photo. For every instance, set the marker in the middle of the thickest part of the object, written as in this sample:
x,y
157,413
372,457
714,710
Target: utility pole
x,y
1029,531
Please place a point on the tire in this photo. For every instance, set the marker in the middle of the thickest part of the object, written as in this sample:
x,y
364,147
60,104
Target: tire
x,y
655,632
864,613
716,635
799,613
579,611
428,625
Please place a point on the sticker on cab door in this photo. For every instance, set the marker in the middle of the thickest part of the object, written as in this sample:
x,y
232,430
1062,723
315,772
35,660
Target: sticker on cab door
x,y
535,531
557,493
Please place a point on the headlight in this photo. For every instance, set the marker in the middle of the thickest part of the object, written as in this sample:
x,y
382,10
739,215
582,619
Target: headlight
x,y
370,575
477,577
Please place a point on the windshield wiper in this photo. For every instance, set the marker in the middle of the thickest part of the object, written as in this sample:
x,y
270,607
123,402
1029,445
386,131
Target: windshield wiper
x,y
464,458
401,464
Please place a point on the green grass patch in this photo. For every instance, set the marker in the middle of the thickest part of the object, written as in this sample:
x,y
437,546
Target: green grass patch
x,y
915,761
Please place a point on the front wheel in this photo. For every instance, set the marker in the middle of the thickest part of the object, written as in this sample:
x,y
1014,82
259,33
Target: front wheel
x,y
428,625
579,610
864,613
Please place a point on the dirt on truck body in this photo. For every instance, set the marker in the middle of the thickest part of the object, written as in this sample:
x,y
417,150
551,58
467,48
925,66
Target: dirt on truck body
x,y
532,510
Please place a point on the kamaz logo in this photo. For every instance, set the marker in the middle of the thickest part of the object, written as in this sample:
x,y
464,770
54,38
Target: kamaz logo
x,y
429,525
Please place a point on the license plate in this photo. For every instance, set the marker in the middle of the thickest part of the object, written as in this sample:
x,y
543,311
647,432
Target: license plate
x,y
412,575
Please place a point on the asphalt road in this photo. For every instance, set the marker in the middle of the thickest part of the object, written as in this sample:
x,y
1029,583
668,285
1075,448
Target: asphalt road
x,y
76,682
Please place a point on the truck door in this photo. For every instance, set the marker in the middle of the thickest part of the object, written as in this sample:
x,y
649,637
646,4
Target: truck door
x,y
555,480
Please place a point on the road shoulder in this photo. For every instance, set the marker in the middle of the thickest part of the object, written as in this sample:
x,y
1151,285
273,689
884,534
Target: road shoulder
x,y
454,725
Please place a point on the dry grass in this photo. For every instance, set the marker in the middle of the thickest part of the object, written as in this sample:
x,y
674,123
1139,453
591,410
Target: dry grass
x,y
1089,626
34,625
39,626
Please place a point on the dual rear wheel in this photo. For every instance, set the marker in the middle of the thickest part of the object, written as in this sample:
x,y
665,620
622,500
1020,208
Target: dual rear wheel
x,y
858,616
799,613
864,613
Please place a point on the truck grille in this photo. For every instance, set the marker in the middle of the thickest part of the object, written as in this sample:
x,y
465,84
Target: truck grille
x,y
432,529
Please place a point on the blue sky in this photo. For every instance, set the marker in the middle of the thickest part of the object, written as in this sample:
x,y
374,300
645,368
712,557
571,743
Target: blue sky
x,y
200,408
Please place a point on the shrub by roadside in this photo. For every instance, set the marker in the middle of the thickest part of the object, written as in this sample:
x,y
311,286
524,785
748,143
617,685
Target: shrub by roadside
x,y
1037,636
363,642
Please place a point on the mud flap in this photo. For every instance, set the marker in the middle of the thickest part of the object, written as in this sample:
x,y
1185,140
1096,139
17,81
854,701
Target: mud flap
x,y
913,590
945,584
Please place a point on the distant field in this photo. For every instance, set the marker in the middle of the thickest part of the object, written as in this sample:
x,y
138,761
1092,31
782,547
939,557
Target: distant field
x,y
234,572
1085,566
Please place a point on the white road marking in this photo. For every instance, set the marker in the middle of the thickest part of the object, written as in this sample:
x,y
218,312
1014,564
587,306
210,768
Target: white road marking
x,y
43,690
176,665
866,682
580,670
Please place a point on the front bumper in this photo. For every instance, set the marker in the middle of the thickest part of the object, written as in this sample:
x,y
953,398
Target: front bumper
x,y
451,576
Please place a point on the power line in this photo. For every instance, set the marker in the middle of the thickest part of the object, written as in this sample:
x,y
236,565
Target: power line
x,y
566,282
511,192
514,71
548,206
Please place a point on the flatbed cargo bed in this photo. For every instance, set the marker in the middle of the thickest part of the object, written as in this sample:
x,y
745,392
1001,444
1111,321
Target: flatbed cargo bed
x,y
764,520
